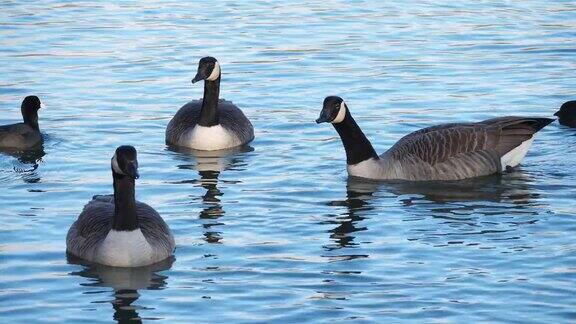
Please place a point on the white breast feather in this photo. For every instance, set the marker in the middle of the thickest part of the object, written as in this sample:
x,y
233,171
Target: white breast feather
x,y
125,249
371,169
209,138
515,156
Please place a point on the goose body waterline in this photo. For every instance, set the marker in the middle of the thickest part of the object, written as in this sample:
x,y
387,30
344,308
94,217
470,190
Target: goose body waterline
x,y
444,152
25,135
117,230
210,123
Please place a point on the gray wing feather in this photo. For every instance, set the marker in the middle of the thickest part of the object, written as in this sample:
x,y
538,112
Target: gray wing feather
x,y
90,229
458,151
231,118
95,221
155,230
183,121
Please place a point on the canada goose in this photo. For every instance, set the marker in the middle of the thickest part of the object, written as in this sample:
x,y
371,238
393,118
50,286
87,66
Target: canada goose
x,y
24,135
210,123
567,114
443,152
117,230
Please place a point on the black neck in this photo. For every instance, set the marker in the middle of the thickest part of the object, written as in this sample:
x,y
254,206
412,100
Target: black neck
x,y
209,112
31,119
125,216
357,146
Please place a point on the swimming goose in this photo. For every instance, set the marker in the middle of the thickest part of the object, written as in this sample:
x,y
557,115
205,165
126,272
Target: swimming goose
x,y
443,152
209,124
117,230
24,135
567,114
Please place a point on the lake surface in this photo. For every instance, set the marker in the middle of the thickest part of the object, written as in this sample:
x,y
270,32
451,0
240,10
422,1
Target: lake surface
x,y
278,232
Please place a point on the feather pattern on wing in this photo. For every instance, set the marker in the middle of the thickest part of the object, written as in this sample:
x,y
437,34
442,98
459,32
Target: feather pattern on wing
x,y
459,150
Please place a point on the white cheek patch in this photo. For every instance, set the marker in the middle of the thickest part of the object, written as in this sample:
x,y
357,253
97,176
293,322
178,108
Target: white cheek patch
x,y
115,165
341,114
215,72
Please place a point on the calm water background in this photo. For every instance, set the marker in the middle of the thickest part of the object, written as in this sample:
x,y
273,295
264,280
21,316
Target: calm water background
x,y
279,232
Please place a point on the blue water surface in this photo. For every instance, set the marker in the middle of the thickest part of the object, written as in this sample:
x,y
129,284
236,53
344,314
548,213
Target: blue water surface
x,y
278,232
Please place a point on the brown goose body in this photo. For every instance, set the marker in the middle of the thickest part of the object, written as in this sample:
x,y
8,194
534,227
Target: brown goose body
x,y
444,152
461,150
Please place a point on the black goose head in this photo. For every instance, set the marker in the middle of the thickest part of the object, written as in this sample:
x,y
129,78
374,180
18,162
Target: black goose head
x,y
333,110
29,109
125,162
567,114
208,69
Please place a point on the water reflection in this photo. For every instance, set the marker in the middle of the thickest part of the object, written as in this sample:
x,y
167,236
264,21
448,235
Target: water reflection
x,y
512,187
213,210
126,282
475,212
358,195
485,205
29,161
209,165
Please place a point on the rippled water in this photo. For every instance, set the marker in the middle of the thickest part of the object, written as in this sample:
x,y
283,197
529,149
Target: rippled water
x,y
278,232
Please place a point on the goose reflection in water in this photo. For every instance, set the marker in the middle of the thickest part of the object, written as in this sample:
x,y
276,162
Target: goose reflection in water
x,y
500,198
359,192
29,161
126,283
490,212
209,165
514,187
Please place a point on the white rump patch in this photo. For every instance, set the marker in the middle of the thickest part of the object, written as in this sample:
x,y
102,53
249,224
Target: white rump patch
x,y
115,165
341,114
370,168
215,72
209,138
125,249
515,156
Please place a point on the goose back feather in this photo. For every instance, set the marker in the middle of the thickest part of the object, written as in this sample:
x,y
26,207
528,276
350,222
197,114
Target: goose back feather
x,y
461,150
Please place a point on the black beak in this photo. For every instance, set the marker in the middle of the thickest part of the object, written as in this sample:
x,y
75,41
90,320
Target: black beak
x,y
198,77
132,170
557,113
323,118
